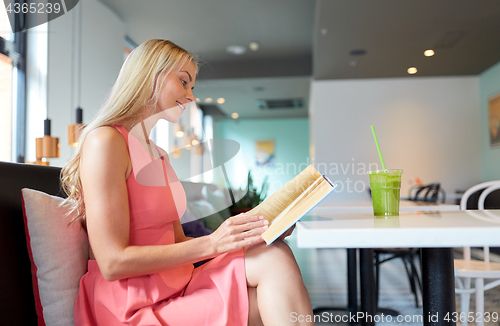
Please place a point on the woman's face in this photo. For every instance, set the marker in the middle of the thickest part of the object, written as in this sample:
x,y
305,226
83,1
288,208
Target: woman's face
x,y
176,92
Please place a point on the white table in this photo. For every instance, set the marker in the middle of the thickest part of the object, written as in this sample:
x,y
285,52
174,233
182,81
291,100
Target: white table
x,y
365,206
435,233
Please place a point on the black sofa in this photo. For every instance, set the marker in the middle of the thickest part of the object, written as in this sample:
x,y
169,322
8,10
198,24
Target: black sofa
x,y
17,303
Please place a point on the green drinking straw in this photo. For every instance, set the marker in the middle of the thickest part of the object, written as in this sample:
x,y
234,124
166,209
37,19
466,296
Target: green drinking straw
x,y
378,148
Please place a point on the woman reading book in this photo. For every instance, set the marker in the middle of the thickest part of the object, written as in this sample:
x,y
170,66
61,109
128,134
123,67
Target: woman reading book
x,y
129,200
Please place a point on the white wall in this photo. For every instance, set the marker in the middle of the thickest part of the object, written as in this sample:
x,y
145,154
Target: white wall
x,y
429,127
102,48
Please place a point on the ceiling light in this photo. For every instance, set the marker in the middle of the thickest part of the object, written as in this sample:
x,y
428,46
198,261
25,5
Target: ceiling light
x,y
412,70
254,46
235,115
236,49
197,99
221,100
208,100
429,53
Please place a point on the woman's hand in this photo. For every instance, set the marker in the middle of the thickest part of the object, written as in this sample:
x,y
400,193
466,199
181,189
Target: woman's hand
x,y
287,233
237,232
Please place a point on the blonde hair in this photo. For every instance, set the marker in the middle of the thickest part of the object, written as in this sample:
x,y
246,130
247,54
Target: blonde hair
x,y
136,87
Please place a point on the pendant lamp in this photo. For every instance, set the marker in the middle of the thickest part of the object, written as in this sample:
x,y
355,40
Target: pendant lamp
x,y
199,149
193,138
179,130
187,143
187,140
46,146
175,150
74,130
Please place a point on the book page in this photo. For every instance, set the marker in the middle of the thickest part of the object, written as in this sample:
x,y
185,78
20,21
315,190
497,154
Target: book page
x,y
310,200
281,199
299,198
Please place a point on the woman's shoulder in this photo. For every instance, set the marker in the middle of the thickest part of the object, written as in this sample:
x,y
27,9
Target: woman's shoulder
x,y
105,147
105,139
104,135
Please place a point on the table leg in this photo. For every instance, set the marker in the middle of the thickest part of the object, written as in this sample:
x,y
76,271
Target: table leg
x,y
438,286
367,274
352,283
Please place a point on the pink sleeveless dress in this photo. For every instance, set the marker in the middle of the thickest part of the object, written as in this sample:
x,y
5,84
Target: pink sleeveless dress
x,y
212,294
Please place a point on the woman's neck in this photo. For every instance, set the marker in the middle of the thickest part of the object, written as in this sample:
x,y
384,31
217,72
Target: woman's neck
x,y
141,131
141,128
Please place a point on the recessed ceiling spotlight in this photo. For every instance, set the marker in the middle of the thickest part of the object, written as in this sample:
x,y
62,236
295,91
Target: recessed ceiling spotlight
x,y
235,115
208,100
324,31
236,49
429,53
357,52
254,46
412,70
197,99
221,100
353,63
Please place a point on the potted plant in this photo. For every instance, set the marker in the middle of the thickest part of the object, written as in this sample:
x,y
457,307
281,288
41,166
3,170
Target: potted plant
x,y
252,198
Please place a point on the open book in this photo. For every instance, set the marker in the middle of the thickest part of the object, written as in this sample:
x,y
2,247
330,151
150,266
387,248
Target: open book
x,y
292,201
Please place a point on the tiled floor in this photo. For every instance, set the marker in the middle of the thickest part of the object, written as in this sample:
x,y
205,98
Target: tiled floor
x,y
325,275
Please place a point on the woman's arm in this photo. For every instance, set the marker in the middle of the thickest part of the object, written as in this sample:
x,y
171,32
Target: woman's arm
x,y
104,165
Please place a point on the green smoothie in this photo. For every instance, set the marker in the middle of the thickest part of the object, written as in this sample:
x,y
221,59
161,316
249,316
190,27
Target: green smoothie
x,y
385,186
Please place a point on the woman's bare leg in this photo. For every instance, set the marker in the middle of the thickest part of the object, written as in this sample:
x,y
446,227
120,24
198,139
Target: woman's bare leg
x,y
282,298
253,311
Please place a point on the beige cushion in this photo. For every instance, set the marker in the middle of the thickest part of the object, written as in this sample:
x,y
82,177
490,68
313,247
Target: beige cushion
x,y
58,253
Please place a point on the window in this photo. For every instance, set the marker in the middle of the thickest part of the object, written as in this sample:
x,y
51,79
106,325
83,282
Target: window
x,y
5,108
12,90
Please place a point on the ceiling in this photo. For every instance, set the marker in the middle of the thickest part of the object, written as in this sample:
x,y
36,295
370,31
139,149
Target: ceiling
x,y
304,39
464,34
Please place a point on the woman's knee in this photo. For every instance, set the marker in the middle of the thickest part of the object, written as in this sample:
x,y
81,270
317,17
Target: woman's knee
x,y
279,250
266,259
269,256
